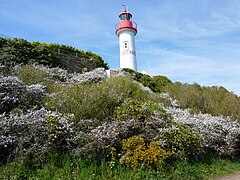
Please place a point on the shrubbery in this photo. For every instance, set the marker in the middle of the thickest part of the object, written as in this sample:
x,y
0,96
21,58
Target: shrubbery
x,y
181,140
73,51
155,83
137,152
212,100
88,116
14,94
31,75
220,135
20,51
32,135
96,100
133,109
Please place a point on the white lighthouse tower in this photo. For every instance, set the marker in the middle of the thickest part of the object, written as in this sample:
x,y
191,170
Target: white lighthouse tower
x,y
126,30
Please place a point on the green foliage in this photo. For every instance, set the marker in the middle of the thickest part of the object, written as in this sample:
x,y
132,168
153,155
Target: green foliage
x,y
20,51
181,140
97,59
57,133
30,75
137,152
74,51
133,109
96,100
155,83
212,100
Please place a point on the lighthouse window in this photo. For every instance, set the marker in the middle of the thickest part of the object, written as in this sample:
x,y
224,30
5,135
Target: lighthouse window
x,y
123,17
125,45
128,17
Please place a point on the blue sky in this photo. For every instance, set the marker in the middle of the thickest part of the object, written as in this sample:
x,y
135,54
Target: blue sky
x,y
188,41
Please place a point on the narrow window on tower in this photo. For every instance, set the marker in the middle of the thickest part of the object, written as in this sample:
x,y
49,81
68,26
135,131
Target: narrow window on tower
x,y
125,44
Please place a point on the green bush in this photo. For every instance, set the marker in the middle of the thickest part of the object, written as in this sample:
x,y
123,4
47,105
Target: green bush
x,y
155,83
96,100
73,51
31,75
137,152
212,100
20,51
181,140
132,109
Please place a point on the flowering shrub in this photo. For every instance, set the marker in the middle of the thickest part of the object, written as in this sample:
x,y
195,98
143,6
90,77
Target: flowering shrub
x,y
105,136
219,134
37,133
13,93
58,74
136,152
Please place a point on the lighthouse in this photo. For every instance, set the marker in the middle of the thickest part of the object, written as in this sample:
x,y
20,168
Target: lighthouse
x,y
126,31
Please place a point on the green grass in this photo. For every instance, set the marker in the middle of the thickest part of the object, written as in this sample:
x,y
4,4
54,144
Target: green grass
x,y
64,167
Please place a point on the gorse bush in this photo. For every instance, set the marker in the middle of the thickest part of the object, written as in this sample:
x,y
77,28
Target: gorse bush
x,y
96,100
213,100
137,152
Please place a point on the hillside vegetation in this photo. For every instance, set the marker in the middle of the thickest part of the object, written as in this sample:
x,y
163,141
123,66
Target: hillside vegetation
x,y
215,100
56,124
20,51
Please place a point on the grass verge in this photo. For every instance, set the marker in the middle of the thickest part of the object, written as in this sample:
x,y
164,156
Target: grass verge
x,y
64,167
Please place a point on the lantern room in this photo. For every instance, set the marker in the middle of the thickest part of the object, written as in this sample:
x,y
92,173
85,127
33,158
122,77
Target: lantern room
x,y
125,23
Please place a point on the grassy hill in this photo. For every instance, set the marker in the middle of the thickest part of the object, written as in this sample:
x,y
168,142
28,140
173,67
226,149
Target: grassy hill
x,y
57,124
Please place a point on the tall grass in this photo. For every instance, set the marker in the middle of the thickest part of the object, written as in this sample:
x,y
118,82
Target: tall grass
x,y
64,167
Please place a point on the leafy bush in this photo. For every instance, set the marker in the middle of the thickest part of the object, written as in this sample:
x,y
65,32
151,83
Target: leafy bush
x,y
133,109
96,100
31,75
212,100
73,51
181,140
137,152
155,83
20,51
